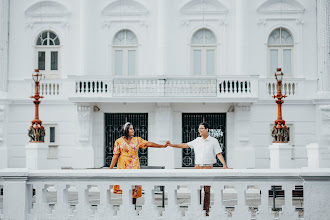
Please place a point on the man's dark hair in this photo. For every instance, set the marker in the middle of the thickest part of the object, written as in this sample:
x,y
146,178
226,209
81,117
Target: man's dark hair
x,y
125,128
206,125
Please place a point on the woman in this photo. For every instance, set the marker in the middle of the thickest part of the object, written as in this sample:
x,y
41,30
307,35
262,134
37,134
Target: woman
x,y
126,152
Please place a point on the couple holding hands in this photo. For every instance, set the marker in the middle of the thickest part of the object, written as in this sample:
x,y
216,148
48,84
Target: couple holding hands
x,y
126,149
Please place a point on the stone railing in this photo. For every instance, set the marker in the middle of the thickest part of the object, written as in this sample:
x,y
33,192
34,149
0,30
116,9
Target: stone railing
x,y
226,86
93,88
292,88
48,88
236,194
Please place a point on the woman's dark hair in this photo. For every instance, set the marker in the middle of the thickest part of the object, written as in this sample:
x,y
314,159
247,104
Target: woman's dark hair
x,y
125,128
206,125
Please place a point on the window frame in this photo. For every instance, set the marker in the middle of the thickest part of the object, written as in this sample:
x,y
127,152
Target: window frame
x,y
125,48
48,73
280,56
204,48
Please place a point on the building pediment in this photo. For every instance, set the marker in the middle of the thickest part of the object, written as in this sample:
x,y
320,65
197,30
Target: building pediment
x,y
124,8
47,9
203,7
280,6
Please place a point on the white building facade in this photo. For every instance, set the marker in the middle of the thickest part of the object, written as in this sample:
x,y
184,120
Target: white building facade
x,y
166,65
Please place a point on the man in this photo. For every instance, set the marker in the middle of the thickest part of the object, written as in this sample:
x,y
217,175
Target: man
x,y
206,149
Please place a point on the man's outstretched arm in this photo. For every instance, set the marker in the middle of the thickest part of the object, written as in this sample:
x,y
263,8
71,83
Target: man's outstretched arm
x,y
183,145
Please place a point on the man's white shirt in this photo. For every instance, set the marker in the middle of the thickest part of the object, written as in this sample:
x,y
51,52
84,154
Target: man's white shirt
x,y
205,150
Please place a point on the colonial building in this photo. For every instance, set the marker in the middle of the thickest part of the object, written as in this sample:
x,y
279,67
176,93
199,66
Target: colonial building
x,y
165,66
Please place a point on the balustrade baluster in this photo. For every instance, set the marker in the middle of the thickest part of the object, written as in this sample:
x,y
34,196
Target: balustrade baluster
x,y
105,209
62,207
126,210
149,209
1,204
218,210
41,207
83,208
293,88
264,210
195,210
172,210
288,210
241,209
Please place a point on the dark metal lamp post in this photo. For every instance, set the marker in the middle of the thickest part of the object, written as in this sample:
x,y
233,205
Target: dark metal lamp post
x,y
36,131
280,132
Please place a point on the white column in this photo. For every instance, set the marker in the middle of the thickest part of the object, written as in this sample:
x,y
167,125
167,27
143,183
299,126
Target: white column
x,y
323,44
162,32
4,41
84,155
3,146
280,156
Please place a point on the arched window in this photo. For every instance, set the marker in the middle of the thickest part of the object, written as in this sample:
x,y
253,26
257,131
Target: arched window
x,y
203,47
125,47
280,47
47,54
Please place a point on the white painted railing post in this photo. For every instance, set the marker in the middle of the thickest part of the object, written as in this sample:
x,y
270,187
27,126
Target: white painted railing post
x,y
172,210
41,207
288,210
15,187
316,194
105,209
126,210
264,210
62,207
241,209
218,210
195,210
149,210
83,207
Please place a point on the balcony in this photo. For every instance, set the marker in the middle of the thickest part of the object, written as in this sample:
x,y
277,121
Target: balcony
x,y
166,89
236,194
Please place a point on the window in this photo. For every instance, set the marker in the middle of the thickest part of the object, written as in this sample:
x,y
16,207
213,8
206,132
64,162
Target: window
x,y
203,49
51,140
51,134
125,53
47,54
280,50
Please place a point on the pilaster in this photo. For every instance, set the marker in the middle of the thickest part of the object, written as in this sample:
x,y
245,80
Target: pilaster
x,y
4,41
84,155
243,145
3,146
323,45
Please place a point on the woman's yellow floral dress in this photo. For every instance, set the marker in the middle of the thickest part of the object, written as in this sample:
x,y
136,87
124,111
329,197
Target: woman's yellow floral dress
x,y
129,159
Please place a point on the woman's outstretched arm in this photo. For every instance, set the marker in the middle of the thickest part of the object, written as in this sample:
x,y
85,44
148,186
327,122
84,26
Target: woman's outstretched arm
x,y
151,144
114,161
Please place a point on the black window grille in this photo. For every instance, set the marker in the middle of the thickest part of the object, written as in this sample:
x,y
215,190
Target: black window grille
x,y
190,124
113,124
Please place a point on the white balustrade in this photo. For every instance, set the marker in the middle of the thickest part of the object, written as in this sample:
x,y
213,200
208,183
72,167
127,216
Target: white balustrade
x,y
93,88
238,87
55,194
48,88
287,88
